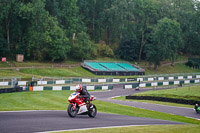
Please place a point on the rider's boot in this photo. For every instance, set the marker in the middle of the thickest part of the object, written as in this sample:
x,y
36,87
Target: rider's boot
x,y
87,104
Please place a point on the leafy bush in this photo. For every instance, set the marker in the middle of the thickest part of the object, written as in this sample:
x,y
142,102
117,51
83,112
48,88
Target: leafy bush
x,y
128,49
83,48
193,64
189,63
104,50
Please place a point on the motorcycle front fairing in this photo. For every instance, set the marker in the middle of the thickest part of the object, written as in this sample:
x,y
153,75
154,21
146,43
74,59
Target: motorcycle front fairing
x,y
82,105
73,96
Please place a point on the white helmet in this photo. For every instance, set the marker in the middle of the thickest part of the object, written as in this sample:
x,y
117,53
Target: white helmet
x,y
78,88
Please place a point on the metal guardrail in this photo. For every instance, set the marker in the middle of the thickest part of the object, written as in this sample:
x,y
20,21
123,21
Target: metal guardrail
x,y
169,75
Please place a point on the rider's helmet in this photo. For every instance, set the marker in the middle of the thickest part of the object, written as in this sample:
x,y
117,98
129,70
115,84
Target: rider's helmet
x,y
78,88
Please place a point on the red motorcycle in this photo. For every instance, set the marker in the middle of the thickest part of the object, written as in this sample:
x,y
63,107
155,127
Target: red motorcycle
x,y
77,106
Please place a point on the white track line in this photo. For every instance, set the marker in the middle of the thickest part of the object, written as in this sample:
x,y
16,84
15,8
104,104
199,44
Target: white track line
x,y
28,111
96,128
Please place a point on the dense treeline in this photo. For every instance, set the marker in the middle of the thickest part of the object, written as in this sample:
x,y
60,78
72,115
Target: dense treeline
x,y
153,30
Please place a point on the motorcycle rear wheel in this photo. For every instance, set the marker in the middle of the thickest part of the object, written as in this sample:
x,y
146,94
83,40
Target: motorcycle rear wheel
x,y
72,113
92,111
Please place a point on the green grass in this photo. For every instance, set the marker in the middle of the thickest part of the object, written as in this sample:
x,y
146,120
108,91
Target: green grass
x,y
47,100
57,100
47,72
3,64
188,93
37,63
155,102
144,129
59,72
12,73
77,71
178,68
31,63
80,72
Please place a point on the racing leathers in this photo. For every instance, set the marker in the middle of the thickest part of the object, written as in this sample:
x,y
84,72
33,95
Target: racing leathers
x,y
84,93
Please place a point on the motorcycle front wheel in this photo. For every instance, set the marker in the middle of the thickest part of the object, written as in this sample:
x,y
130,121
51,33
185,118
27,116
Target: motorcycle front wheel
x,y
71,112
92,111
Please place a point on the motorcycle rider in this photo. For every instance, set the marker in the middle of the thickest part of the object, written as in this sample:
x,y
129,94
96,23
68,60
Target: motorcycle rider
x,y
84,94
197,108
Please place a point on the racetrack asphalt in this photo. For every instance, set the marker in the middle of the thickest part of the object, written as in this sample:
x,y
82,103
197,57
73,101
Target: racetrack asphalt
x,y
45,121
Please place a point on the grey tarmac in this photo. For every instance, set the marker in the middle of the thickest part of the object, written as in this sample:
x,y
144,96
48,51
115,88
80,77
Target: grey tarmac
x,y
43,121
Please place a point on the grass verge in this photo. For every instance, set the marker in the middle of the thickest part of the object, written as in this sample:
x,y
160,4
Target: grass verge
x,y
188,93
144,129
3,64
59,72
178,68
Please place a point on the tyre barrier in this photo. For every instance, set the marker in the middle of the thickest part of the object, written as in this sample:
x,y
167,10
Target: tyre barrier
x,y
10,90
164,99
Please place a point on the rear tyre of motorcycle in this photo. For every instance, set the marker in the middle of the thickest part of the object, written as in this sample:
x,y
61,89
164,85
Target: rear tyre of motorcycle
x,y
92,111
72,113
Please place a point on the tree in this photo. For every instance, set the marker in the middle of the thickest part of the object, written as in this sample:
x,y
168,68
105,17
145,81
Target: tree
x,y
155,53
3,42
128,49
56,43
44,38
184,13
89,13
83,47
66,12
191,28
146,15
34,28
104,50
167,41
7,19
3,47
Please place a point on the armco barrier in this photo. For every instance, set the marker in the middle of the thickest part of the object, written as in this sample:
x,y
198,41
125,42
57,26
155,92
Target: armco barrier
x,y
164,99
54,88
164,83
152,78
